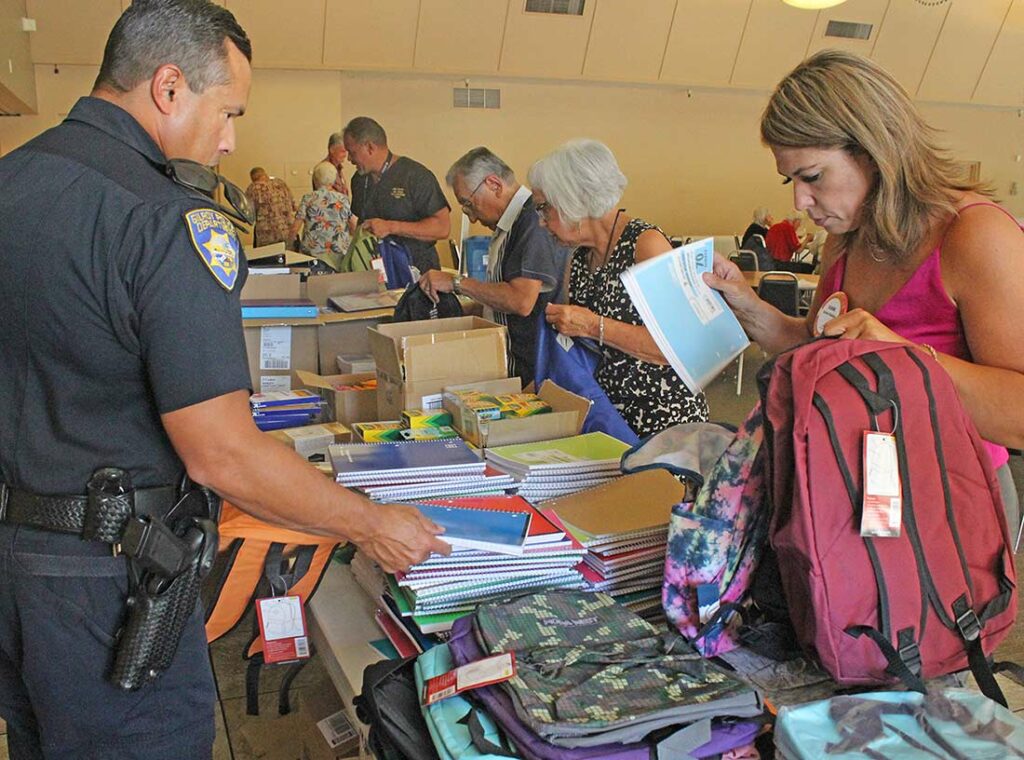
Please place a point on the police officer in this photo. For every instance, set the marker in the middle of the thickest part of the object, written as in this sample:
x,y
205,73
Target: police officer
x,y
122,346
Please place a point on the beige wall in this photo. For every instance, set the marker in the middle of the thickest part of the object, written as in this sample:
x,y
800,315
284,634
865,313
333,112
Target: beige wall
x,y
16,73
694,164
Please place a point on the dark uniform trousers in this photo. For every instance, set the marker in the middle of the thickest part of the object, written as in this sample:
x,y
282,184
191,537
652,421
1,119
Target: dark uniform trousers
x,y
61,604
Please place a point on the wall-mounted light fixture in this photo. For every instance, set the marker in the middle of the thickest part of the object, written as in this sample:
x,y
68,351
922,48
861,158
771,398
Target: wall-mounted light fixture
x,y
813,4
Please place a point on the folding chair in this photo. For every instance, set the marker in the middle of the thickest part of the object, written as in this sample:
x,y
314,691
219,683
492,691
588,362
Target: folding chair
x,y
781,290
745,260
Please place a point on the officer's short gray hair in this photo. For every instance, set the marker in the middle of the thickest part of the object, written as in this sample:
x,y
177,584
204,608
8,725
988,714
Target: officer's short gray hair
x,y
476,165
324,174
187,33
364,130
581,179
335,139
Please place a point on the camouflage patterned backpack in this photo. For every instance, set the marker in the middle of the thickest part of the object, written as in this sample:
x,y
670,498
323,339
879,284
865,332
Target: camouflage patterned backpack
x,y
590,672
715,544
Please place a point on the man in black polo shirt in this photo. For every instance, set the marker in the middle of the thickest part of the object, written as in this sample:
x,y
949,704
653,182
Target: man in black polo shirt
x,y
524,263
394,195
122,348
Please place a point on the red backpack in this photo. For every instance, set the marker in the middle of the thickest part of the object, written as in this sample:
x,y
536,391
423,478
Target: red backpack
x,y
934,600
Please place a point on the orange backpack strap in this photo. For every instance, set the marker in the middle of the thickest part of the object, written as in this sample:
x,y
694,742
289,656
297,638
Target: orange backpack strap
x,y
231,585
256,560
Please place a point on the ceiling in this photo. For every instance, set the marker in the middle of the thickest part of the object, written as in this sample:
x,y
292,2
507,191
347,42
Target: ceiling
x,y
960,51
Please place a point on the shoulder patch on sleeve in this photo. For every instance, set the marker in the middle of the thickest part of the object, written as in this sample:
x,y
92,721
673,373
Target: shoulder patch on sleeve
x,y
215,240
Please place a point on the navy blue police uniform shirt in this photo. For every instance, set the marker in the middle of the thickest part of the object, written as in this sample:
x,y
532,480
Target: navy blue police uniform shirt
x,y
119,300
406,192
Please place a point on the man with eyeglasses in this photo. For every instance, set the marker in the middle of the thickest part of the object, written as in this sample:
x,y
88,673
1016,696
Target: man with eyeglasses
x,y
124,367
524,264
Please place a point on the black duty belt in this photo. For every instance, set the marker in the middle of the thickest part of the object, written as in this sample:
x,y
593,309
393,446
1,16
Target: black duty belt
x,y
71,514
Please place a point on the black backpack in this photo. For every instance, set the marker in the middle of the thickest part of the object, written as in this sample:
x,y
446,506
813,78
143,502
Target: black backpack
x,y
389,705
415,305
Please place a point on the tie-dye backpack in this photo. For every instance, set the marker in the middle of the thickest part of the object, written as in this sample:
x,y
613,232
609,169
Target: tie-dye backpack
x,y
715,544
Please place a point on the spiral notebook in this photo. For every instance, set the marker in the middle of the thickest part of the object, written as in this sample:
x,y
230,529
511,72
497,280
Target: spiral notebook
x,y
363,463
496,531
578,453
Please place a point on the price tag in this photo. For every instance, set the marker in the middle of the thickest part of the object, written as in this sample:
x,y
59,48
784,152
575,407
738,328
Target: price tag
x,y
485,672
882,511
834,306
282,622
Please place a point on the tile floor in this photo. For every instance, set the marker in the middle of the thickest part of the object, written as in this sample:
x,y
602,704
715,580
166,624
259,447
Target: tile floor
x,y
272,737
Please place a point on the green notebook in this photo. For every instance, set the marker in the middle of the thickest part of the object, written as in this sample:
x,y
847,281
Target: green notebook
x,y
578,453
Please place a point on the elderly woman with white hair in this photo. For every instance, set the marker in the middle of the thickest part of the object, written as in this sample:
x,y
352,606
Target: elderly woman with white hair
x,y
576,192
762,221
324,217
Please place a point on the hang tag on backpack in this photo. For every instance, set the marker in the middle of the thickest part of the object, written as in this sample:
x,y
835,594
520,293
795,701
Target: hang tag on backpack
x,y
833,306
882,513
282,623
490,670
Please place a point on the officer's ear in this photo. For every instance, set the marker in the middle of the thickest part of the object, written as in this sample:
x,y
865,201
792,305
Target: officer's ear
x,y
166,80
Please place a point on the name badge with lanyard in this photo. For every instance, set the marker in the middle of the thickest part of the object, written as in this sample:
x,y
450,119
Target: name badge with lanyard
x,y
282,623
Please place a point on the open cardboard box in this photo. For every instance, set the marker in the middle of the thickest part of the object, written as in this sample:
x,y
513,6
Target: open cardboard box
x,y
417,360
568,412
346,407
343,333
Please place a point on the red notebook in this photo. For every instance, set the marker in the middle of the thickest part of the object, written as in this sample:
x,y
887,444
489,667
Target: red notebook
x,y
542,530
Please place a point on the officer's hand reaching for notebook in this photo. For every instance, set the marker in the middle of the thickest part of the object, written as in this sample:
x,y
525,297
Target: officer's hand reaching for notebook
x,y
399,536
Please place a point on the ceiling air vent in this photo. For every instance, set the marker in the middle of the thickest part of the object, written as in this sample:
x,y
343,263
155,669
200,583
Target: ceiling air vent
x,y
849,30
475,97
558,7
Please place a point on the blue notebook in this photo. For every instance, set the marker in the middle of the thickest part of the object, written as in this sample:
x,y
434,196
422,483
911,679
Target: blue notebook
x,y
502,532
691,323
365,463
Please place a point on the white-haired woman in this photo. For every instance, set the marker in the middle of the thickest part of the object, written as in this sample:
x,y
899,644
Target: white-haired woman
x,y
323,216
762,221
576,191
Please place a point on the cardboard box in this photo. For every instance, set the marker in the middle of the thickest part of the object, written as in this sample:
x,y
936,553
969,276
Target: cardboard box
x,y
272,286
568,412
310,440
351,363
321,287
347,407
279,347
416,360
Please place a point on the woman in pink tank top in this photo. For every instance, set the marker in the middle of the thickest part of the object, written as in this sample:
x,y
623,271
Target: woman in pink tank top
x,y
924,257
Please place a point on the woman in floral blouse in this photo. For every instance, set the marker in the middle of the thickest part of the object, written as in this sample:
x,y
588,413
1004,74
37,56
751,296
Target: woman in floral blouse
x,y
323,216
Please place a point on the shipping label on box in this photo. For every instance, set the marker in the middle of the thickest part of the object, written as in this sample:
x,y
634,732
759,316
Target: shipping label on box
x,y
276,347
273,383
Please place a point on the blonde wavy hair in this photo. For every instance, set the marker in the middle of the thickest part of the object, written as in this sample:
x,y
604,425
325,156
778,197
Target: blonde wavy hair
x,y
836,99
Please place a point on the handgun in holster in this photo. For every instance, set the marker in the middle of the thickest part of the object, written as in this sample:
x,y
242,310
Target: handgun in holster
x,y
167,559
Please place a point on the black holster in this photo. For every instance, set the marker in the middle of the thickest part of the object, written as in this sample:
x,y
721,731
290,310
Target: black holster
x,y
167,561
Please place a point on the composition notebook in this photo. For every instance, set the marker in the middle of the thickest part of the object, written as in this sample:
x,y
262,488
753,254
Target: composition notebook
x,y
690,321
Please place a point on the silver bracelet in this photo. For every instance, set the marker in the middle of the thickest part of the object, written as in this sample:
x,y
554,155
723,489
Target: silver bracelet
x,y
600,330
